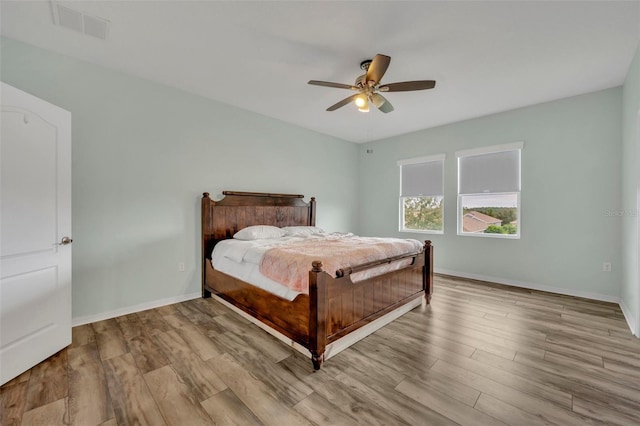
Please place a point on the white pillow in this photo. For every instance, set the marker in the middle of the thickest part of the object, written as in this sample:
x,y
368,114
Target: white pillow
x,y
302,231
258,232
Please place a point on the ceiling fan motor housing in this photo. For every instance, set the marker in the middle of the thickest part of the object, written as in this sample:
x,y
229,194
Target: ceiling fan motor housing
x,y
364,65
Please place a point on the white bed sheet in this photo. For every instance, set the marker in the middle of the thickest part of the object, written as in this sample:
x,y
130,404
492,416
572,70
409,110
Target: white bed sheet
x,y
241,260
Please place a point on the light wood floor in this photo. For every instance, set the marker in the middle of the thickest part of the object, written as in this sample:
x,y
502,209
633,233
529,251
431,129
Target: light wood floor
x,y
480,354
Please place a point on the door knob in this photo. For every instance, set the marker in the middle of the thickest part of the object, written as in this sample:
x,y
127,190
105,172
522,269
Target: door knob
x,y
65,241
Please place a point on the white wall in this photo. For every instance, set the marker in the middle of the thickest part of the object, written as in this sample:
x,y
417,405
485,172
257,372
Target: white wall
x,y
630,292
570,179
143,154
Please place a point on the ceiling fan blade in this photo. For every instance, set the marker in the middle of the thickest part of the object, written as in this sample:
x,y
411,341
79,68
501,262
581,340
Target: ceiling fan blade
x,y
343,102
407,86
381,103
377,68
329,84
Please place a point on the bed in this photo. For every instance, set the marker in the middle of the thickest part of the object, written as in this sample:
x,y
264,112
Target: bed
x,y
336,312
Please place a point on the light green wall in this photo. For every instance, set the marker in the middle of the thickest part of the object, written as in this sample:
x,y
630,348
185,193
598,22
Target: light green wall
x,y
630,186
570,177
143,154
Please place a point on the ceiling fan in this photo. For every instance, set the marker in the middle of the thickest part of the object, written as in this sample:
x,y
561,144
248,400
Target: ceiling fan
x,y
368,86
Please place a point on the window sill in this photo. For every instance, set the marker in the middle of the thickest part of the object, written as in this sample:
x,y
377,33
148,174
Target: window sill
x,y
483,235
420,231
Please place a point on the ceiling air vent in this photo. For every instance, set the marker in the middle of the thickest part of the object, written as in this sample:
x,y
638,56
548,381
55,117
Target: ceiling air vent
x,y
79,21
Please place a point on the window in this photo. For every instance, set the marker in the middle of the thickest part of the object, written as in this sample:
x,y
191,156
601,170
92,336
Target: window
x,y
489,191
421,194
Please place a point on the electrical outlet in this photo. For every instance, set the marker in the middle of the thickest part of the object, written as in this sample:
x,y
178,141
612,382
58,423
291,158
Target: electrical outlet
x,y
606,267
181,267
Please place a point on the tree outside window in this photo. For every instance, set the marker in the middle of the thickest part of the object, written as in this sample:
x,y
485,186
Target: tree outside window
x,y
421,194
422,213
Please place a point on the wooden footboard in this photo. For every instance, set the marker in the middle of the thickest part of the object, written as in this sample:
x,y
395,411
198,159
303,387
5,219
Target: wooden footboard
x,y
339,306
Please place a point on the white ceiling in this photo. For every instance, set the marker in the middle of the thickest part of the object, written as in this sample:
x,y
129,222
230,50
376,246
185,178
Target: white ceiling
x,y
486,57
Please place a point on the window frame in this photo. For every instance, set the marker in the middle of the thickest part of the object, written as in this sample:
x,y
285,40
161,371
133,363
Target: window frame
x,y
494,149
420,160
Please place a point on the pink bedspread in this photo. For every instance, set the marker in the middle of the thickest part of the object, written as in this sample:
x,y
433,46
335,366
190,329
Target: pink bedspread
x,y
290,264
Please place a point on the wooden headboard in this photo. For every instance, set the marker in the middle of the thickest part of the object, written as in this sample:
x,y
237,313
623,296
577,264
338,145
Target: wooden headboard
x,y
237,210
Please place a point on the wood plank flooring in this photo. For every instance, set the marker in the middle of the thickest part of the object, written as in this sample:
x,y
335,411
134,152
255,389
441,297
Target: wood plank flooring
x,y
480,354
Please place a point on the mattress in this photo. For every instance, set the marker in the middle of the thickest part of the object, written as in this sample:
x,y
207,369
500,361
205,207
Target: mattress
x,y
281,265
241,260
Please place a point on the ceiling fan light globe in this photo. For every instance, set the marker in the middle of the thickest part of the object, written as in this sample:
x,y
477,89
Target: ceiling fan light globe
x,y
363,105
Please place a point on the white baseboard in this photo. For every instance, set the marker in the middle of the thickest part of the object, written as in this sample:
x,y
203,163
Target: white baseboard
x,y
133,309
632,321
532,286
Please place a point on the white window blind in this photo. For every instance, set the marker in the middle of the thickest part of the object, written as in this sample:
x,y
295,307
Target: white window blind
x,y
490,170
422,176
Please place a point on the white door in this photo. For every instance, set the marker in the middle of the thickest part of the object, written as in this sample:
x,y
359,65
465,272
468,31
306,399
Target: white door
x,y
35,218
